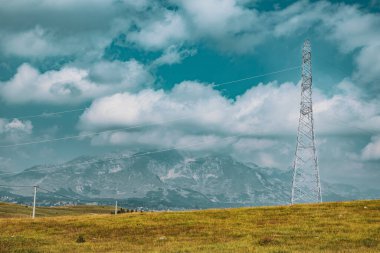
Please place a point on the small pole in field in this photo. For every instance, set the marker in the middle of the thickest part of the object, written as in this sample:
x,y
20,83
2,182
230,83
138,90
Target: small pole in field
x,y
116,207
34,202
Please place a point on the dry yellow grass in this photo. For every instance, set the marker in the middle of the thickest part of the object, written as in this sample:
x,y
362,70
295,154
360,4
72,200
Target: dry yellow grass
x,y
13,211
330,227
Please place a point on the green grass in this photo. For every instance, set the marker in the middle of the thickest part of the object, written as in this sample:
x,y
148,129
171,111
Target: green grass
x,y
329,227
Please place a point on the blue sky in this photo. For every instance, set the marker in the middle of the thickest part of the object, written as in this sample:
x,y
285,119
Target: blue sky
x,y
153,63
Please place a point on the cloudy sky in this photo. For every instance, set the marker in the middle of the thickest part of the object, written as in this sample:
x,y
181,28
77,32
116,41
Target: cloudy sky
x,y
158,73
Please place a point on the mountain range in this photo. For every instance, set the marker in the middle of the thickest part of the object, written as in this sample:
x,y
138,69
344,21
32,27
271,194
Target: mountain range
x,y
165,180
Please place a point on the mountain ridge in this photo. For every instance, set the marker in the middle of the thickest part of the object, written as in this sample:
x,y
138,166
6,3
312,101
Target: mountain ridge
x,y
171,179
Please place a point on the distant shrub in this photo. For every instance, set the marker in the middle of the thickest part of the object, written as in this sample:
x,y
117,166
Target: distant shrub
x,y
122,210
369,242
267,241
80,239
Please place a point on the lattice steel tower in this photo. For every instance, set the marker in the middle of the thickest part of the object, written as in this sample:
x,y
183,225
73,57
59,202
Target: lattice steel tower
x,y
306,186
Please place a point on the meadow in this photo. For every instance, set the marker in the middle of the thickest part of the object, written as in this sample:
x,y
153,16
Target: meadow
x,y
328,227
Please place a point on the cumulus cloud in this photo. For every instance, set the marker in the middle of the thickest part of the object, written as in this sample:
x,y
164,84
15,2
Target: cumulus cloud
x,y
129,75
43,29
15,130
164,139
226,24
84,29
233,26
351,28
259,126
368,62
372,150
149,106
173,55
193,108
73,84
157,34
356,30
30,43
217,18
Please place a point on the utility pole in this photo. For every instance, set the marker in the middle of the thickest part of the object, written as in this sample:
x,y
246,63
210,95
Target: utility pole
x,y
34,202
116,207
306,186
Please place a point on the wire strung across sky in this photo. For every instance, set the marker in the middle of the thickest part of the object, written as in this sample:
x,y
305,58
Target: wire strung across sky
x,y
92,134
125,128
257,76
16,186
128,157
47,114
131,127
137,126
39,187
58,194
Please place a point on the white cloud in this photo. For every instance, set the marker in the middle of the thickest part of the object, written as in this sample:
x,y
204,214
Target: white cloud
x,y
217,17
264,151
31,43
173,55
351,28
157,34
252,144
368,62
129,75
233,27
73,84
164,139
194,109
148,106
297,17
15,129
227,25
67,28
372,150
64,28
357,30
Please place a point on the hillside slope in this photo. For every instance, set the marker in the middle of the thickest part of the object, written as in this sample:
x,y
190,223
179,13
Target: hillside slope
x,y
329,227
169,180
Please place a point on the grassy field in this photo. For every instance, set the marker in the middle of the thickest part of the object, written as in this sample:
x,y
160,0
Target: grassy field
x,y
21,211
329,227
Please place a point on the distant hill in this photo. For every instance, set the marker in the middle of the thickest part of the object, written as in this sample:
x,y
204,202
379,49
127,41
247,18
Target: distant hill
x,y
164,180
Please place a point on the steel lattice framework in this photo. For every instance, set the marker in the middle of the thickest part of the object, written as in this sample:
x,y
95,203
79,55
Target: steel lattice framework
x,y
306,186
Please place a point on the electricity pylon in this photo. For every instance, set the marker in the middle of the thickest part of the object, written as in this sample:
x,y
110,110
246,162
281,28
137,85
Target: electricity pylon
x,y
306,186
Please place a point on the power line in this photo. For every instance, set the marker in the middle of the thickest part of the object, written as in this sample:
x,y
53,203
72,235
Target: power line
x,y
120,158
257,76
16,186
47,114
39,187
64,196
91,134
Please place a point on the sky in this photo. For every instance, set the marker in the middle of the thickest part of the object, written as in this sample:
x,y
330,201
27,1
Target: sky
x,y
160,74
